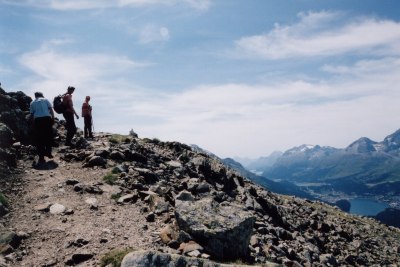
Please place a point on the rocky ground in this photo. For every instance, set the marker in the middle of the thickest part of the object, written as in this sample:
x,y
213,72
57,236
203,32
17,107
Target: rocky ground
x,y
171,206
56,221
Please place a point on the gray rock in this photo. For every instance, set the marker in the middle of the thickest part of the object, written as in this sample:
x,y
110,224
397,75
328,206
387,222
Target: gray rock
x,y
223,230
93,202
71,182
185,196
174,164
57,208
8,238
203,188
150,217
96,161
128,198
6,136
117,155
78,258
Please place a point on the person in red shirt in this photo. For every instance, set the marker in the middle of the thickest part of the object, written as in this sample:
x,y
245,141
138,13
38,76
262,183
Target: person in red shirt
x,y
87,116
69,115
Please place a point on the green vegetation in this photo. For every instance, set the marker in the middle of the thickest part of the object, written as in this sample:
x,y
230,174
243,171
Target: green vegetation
x,y
115,170
114,257
3,200
116,196
119,138
110,178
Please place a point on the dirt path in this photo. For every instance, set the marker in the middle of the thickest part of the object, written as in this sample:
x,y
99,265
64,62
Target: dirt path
x,y
92,224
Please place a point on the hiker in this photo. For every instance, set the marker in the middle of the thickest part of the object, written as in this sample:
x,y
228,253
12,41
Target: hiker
x,y
43,119
69,115
87,116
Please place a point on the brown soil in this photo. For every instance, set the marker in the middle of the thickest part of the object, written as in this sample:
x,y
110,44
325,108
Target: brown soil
x,y
54,238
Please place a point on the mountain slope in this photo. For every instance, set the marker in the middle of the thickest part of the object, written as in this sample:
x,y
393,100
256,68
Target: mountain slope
x,y
364,162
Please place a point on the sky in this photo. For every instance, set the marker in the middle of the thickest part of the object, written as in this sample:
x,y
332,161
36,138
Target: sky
x,y
235,77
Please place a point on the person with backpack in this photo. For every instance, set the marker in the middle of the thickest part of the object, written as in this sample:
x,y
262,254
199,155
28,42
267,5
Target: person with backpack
x,y
43,119
87,118
68,114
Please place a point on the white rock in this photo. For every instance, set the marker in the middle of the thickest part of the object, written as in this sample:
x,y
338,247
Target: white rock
x,y
57,208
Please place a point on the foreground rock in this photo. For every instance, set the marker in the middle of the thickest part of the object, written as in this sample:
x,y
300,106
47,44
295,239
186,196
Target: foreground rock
x,y
153,258
223,229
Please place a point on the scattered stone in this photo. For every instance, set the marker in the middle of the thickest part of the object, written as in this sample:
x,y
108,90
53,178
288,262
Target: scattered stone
x,y
93,203
185,248
71,182
184,196
78,187
150,217
78,258
96,161
57,208
8,240
128,198
43,207
174,164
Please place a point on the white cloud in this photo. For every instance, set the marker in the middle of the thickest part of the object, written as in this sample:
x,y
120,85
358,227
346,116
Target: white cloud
x,y
254,120
324,34
53,70
152,33
100,4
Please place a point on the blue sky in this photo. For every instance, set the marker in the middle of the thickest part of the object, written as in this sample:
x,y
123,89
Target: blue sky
x,y
238,78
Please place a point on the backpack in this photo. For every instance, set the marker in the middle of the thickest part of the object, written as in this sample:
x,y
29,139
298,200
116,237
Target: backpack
x,y
58,104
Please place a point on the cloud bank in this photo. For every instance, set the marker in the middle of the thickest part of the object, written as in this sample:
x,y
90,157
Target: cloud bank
x,y
324,34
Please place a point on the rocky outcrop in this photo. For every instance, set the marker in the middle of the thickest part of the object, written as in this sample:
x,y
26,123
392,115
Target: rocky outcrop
x,y
14,126
224,229
14,109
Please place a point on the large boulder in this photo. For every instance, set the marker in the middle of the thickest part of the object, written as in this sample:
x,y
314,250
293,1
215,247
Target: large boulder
x,y
6,136
223,229
14,108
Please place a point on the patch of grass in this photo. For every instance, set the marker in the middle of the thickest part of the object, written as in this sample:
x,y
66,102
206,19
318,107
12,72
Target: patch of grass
x,y
3,200
116,196
115,170
117,138
110,178
114,257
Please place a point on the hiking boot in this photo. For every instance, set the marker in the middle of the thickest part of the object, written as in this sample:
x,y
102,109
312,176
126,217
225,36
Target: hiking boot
x,y
41,161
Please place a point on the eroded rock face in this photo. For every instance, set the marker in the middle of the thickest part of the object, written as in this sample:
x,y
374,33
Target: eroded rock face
x,y
224,229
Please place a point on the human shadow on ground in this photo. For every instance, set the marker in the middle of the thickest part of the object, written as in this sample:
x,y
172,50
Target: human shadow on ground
x,y
48,165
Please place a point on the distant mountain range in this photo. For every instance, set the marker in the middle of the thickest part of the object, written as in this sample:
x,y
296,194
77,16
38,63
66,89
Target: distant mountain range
x,y
364,167
280,187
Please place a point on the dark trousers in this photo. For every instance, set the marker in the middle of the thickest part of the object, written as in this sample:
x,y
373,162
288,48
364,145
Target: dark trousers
x,y
87,129
70,126
43,135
